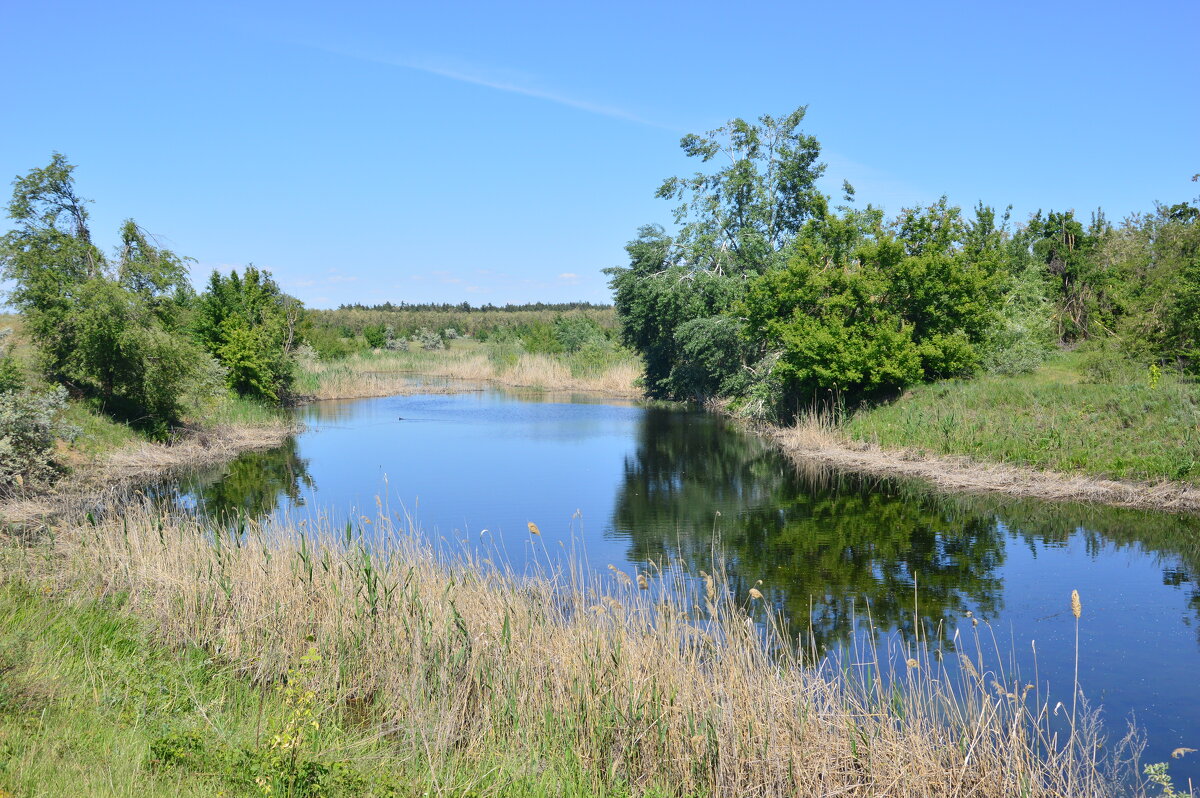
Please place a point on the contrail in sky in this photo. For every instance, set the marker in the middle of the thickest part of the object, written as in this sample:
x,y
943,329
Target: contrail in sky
x,y
465,73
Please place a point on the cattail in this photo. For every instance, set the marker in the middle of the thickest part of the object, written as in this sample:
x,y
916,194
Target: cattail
x,y
754,593
533,528
1076,606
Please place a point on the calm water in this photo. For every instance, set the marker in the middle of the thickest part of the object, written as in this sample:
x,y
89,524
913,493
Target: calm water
x,y
636,484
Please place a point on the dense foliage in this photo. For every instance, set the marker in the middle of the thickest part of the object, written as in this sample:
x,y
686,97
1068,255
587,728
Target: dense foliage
x,y
252,328
769,297
127,332
108,329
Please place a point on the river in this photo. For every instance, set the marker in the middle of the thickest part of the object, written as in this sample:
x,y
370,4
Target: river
x,y
628,484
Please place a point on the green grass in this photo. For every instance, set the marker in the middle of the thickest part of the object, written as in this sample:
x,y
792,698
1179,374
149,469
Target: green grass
x,y
91,705
98,433
234,410
1054,418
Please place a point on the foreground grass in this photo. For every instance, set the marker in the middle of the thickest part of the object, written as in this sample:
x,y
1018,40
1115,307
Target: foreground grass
x,y
613,372
457,677
1054,418
91,704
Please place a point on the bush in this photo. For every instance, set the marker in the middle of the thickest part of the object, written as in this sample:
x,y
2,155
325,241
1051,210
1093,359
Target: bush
x,y
574,332
29,428
712,351
428,339
252,329
328,341
376,335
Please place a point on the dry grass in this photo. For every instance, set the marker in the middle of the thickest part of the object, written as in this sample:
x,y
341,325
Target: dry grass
x,y
639,682
816,439
389,373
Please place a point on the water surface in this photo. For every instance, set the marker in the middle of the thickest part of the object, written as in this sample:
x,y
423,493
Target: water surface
x,y
630,484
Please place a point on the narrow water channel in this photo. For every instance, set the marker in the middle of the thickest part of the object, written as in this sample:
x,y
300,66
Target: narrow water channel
x,y
631,484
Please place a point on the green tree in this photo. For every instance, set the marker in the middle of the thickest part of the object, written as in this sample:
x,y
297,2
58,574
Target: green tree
x,y
735,221
109,331
49,256
252,328
375,335
862,309
11,378
737,217
1087,290
1158,258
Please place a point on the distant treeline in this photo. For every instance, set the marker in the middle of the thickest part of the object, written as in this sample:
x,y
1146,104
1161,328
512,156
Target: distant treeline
x,y
467,307
768,296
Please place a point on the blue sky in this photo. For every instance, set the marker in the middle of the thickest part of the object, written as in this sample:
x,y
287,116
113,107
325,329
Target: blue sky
x,y
506,152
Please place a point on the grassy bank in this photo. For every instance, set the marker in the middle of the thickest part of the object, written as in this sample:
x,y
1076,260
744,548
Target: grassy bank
x,y
459,678
382,372
1131,426
1116,423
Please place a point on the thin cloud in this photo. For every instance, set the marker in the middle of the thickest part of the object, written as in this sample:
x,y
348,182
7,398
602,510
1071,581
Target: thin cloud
x,y
493,79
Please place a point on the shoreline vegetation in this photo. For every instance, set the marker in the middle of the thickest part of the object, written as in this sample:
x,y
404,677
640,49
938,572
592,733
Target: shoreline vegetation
x,y
386,373
308,662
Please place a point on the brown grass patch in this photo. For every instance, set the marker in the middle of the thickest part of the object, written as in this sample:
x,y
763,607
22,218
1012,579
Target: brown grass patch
x,y
386,374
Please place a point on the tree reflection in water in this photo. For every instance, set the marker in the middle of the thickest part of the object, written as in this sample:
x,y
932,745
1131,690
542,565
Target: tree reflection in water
x,y
252,485
830,546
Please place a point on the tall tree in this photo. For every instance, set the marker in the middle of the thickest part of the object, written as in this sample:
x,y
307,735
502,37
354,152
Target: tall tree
x,y
737,217
107,331
736,220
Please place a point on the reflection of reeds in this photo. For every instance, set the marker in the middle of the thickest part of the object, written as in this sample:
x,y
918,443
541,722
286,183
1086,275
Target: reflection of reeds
x,y
634,690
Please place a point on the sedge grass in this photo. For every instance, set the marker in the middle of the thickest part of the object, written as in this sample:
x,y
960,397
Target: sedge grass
x,y
607,685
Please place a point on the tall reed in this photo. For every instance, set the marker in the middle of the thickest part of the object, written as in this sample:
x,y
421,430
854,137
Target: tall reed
x,y
651,681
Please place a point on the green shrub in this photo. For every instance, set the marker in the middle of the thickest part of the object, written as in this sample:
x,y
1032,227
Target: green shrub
x,y
252,328
29,427
376,336
428,339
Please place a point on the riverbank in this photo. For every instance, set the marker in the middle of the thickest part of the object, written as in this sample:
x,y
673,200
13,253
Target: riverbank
x,y
387,373
108,458
812,441
444,673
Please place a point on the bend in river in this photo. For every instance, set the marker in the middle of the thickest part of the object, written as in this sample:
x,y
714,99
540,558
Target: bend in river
x,y
630,484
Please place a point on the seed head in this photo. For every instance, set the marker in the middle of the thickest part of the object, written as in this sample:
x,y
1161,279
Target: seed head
x,y
533,528
1076,606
